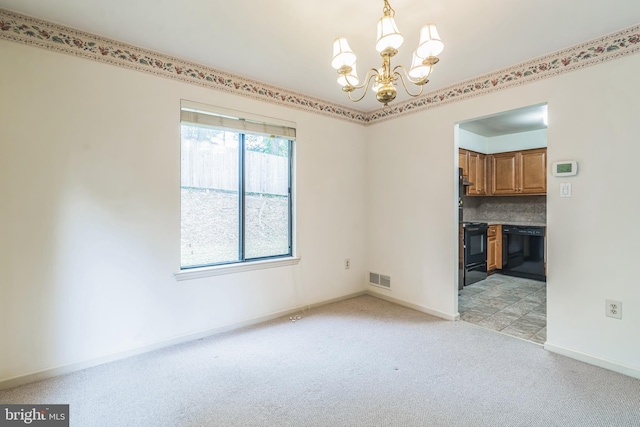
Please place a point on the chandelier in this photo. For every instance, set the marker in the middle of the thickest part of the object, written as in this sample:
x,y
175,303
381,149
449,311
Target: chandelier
x,y
386,78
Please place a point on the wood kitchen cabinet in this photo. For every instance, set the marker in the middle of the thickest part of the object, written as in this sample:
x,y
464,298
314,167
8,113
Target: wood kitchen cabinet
x,y
533,169
477,174
463,161
519,172
474,167
494,247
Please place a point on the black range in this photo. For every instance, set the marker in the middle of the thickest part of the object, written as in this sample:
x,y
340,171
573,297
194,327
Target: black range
x,y
475,252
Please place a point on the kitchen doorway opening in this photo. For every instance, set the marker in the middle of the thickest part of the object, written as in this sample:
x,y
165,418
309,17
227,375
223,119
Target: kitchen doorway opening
x,y
502,175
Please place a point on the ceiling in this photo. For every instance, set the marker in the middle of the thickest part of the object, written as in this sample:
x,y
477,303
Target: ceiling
x,y
524,119
288,43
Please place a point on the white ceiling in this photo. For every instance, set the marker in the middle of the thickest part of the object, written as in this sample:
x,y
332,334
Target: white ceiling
x,y
523,119
288,43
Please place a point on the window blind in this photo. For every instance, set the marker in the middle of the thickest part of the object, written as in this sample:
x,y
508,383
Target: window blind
x,y
221,121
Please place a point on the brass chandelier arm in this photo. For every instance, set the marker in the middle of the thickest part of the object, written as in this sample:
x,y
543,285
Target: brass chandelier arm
x,y
404,84
370,73
367,81
357,99
420,82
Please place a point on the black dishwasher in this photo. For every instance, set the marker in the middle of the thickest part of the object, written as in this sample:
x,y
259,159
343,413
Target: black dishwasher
x,y
523,251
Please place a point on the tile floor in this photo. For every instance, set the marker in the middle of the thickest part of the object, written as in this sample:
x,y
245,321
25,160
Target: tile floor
x,y
511,305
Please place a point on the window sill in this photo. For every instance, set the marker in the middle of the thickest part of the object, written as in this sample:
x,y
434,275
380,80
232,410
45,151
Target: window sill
x,y
219,270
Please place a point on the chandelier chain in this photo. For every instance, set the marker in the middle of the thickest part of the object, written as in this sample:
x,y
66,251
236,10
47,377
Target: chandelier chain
x,y
387,10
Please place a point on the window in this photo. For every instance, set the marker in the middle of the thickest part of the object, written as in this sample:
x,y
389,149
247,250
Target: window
x,y
235,189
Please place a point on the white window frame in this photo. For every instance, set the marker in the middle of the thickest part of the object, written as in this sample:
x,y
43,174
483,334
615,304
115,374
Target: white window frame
x,y
243,122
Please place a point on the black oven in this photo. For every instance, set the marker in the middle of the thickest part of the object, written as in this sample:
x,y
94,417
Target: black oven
x,y
475,252
523,251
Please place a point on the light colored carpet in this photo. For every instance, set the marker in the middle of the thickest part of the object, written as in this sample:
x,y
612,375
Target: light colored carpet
x,y
358,362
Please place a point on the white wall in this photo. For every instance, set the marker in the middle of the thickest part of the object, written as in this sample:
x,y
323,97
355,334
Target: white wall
x,y
592,249
90,214
502,143
472,141
517,141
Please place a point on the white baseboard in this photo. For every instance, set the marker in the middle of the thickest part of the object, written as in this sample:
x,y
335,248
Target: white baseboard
x,y
592,360
84,364
417,307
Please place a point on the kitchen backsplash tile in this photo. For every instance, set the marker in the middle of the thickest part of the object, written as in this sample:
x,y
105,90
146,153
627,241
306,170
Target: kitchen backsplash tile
x,y
505,208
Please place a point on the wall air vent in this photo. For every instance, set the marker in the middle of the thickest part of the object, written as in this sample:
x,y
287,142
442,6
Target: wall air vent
x,y
374,278
380,280
385,281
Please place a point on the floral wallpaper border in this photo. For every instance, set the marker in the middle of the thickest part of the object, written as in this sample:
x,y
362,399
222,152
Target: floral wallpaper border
x,y
31,31
612,46
35,32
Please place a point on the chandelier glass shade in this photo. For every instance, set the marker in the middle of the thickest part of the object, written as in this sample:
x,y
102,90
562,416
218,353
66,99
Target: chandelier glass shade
x,y
384,80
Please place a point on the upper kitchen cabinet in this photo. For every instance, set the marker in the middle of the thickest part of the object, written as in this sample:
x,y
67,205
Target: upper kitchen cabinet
x,y
519,172
463,161
505,153
474,168
504,173
533,171
477,174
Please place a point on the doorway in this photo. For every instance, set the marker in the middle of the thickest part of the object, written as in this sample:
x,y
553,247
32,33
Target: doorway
x,y
502,163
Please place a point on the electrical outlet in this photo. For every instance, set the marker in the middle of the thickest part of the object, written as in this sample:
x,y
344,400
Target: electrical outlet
x,y
347,263
613,308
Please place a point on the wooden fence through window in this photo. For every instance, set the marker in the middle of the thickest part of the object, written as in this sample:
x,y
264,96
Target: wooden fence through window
x,y
210,166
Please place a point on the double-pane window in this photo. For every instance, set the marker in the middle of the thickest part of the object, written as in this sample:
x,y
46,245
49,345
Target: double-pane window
x,y
235,189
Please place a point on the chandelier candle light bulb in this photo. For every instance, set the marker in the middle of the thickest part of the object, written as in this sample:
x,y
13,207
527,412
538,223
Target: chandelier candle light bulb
x,y
386,78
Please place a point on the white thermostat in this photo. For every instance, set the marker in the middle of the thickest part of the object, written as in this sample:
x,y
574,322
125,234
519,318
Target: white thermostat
x,y
565,168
